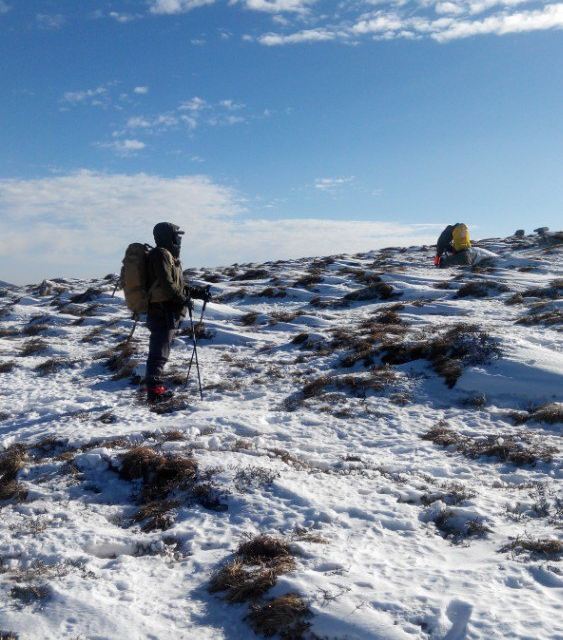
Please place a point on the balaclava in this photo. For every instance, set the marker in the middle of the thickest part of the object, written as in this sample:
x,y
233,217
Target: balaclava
x,y
168,236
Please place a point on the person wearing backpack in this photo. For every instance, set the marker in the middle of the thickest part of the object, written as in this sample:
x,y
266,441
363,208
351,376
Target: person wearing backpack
x,y
168,298
454,246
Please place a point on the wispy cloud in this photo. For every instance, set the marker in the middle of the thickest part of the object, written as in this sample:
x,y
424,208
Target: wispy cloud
x,y
49,21
279,6
98,215
333,185
124,148
169,7
98,97
4,7
440,20
141,91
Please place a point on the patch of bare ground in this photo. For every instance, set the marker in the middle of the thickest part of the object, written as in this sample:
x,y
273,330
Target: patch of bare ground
x,y
534,548
164,480
518,448
480,289
34,347
449,351
12,460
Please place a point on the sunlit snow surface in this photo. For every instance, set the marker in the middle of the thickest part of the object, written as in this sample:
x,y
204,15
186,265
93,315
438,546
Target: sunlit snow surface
x,y
359,474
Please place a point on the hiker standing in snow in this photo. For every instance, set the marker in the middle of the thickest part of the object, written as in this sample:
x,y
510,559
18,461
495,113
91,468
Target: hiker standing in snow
x,y
169,298
454,246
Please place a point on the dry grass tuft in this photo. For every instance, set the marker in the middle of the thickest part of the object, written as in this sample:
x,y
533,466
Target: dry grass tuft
x,y
309,280
11,462
252,274
480,289
156,515
249,318
379,291
284,616
519,449
120,359
263,548
34,347
30,594
549,548
272,292
7,366
449,352
8,635
53,365
87,296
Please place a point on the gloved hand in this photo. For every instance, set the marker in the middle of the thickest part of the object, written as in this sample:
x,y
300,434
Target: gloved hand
x,y
437,260
198,293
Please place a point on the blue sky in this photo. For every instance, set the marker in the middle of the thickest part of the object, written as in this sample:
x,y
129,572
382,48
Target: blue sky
x,y
272,128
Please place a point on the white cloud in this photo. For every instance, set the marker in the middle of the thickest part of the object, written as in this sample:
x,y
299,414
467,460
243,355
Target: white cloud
x,y
123,18
395,19
97,97
279,6
50,21
307,35
124,148
550,17
331,185
141,90
169,7
4,7
79,225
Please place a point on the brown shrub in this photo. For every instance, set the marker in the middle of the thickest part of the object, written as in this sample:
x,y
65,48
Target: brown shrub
x,y
549,318
34,329
157,515
284,616
87,296
317,386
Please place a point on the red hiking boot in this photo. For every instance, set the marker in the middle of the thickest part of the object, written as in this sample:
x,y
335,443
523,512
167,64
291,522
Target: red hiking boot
x,y
158,394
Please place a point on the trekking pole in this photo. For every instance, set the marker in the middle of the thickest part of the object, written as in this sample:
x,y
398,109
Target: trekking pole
x,y
136,319
116,285
194,351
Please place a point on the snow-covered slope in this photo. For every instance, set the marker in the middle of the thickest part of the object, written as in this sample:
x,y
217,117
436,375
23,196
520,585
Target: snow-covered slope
x,y
397,425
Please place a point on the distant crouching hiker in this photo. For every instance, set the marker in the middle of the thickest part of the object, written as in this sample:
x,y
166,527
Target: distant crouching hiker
x,y
169,297
454,246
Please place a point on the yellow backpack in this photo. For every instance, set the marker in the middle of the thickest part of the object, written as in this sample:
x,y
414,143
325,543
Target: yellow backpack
x,y
460,237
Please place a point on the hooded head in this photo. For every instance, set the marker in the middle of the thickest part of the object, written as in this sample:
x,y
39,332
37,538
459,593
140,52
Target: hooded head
x,y
168,236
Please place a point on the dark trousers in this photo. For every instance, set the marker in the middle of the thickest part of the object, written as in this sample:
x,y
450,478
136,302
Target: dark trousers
x,y
162,324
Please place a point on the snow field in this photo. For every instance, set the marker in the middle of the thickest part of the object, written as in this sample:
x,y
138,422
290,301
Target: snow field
x,y
412,528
